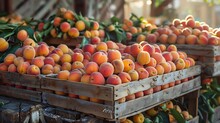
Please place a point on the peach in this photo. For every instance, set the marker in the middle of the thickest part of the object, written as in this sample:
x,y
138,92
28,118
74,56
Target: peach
x,y
63,75
85,62
130,97
95,100
143,58
95,40
160,69
43,50
113,54
180,39
182,55
94,33
191,39
133,30
114,80
28,52
152,62
163,38
175,55
173,66
187,63
12,68
171,48
165,86
158,57
97,78
176,22
33,70
51,48
139,94
55,57
127,49
29,42
99,58
196,32
64,48
4,45
22,67
3,67
137,65
18,52
162,47
127,56
192,62
87,34
66,58
134,75
75,76
143,73
38,62
213,40
87,55
53,33
65,27
128,65
80,25
112,45
77,65
166,66
149,48
9,59
56,51
77,57
57,21
180,64
151,38
56,69
172,38
91,67
177,82
89,48
136,49
68,14
184,80
140,38
171,84
121,100
22,35
85,78
95,25
49,60
168,56
190,23
157,88
151,70
118,65
66,66
125,77
73,32
148,91
47,69
202,40
106,69
128,36
102,46
18,60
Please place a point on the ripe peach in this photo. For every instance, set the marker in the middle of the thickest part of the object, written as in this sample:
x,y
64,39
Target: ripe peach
x,y
3,67
158,57
47,69
66,58
22,35
128,36
148,91
91,67
136,49
49,60
53,33
4,45
143,58
152,62
80,25
102,46
85,62
22,67
99,58
39,62
113,54
68,14
118,65
94,33
190,23
64,48
168,56
66,66
133,30
163,38
85,78
143,73
128,65
213,40
87,34
130,97
18,60
171,48
9,59
33,70
12,68
176,22
149,48
171,84
151,70
121,100
18,52
173,66
186,32
63,75
175,55
106,69
160,69
55,57
75,76
139,94
202,40
191,39
89,48
77,65
172,38
95,40
97,78
42,50
156,89
151,38
112,45
57,21
166,66
29,42
165,86
140,38
127,56
162,47
137,65
56,69
73,32
134,75
65,27
57,51
187,63
28,52
114,80
182,55
125,77
180,64
192,62
180,39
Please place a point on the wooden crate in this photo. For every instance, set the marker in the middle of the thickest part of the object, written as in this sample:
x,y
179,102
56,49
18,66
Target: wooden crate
x,y
207,55
111,109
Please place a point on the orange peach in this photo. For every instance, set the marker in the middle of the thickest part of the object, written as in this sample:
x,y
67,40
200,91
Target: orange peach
x,y
163,38
157,88
99,57
12,68
202,40
38,62
165,86
137,65
29,42
97,78
139,94
173,66
87,55
22,67
186,32
18,52
130,97
180,39
113,54
158,57
125,77
4,45
77,65
77,57
143,73
128,65
106,69
143,58
55,57
28,52
9,59
89,48
49,60
213,40
192,62
112,45
56,51
66,58
114,80
172,38
152,62
91,67
160,69
51,48
75,76
18,60
85,78
166,66
180,64
175,55
140,38
168,56
118,65
191,39
177,82
85,62
64,27
127,56
63,75
187,63
162,47
95,40
171,84
134,75
53,33
136,49
151,70
148,91
171,48
102,46
57,21
94,33
33,70
56,69
47,69
43,50
73,32
151,38
80,25
22,35
66,66
149,48
182,54
64,48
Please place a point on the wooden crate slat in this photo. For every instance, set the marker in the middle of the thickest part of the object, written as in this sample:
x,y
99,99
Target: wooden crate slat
x,y
129,107
100,110
20,93
133,87
21,79
96,91
211,69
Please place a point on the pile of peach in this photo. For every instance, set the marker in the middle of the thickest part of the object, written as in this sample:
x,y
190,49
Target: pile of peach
x,y
187,31
99,63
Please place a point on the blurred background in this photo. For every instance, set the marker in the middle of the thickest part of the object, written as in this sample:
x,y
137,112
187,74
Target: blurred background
x,y
155,11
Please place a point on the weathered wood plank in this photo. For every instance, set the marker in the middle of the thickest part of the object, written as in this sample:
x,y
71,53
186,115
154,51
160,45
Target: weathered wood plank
x,y
20,93
96,109
21,79
145,102
211,69
96,91
133,87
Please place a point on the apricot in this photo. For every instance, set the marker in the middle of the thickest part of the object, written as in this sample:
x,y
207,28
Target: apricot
x,y
125,77
85,78
33,70
22,67
128,65
143,58
186,32
91,67
165,86
22,35
47,69
95,40
114,80
65,27
9,59
151,70
190,23
87,34
106,69
113,55
143,73
127,56
28,52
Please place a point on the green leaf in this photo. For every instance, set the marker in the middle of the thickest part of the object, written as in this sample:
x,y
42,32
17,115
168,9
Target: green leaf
x,y
177,116
163,117
46,25
147,120
84,42
1,104
11,49
115,20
